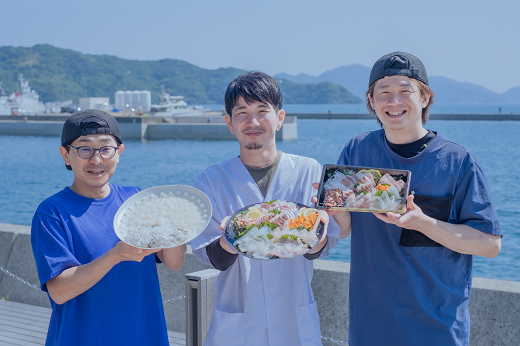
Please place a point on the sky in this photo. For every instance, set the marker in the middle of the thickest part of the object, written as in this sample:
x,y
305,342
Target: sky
x,y
470,41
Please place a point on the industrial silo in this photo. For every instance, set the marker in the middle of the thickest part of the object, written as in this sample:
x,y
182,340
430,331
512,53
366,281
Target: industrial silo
x,y
135,100
145,100
128,100
120,100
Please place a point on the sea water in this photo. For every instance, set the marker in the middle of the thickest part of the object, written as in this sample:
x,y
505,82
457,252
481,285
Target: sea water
x,y
32,170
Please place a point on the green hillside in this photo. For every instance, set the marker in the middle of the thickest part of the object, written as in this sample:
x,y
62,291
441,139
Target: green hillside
x,y
62,74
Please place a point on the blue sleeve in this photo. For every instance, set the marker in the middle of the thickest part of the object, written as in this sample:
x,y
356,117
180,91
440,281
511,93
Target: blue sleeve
x,y
51,248
472,203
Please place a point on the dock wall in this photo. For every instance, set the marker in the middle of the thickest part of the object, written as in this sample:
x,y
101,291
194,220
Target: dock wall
x,y
149,128
494,304
469,117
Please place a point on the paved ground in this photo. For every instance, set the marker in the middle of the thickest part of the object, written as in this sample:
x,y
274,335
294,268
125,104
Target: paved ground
x,y
26,325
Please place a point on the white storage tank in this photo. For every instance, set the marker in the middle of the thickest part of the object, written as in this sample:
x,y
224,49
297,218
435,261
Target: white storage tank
x,y
135,99
145,100
120,100
128,100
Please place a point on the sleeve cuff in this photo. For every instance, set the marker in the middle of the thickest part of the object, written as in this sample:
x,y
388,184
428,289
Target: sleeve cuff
x,y
220,258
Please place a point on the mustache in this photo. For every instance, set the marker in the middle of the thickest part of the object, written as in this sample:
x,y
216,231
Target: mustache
x,y
249,129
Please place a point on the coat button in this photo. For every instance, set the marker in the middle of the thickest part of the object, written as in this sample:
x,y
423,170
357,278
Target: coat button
x,y
270,282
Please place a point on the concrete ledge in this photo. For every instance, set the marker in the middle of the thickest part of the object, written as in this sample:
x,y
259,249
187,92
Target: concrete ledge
x,y
150,128
494,117
494,304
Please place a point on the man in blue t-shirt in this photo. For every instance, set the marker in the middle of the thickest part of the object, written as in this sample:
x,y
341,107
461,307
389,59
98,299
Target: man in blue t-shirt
x,y
102,291
411,274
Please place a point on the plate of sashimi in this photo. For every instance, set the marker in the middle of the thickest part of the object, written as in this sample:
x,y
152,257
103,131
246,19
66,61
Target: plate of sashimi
x,y
363,189
274,230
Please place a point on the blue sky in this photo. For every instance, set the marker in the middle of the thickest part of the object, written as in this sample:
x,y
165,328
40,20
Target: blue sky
x,y
470,41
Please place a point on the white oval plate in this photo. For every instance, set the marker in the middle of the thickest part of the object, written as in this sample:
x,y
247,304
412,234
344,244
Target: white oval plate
x,y
156,190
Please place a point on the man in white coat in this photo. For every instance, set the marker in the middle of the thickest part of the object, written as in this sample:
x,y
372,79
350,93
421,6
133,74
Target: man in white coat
x,y
259,302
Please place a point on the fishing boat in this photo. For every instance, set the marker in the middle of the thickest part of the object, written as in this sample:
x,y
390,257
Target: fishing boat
x,y
174,106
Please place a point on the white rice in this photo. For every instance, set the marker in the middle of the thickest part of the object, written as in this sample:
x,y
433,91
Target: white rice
x,y
163,221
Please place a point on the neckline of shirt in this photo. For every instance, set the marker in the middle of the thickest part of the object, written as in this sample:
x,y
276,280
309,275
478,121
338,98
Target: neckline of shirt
x,y
82,199
411,160
269,166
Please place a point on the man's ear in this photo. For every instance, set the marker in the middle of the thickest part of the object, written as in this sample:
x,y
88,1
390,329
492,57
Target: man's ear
x,y
229,124
281,118
371,101
426,99
65,155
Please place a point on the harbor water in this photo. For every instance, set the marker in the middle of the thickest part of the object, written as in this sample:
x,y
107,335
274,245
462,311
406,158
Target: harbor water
x,y
32,170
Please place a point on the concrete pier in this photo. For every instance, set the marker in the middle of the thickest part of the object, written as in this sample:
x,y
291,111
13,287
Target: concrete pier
x,y
494,305
150,128
493,117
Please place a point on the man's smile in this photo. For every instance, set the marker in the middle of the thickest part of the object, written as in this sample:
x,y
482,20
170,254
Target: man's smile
x,y
253,133
395,114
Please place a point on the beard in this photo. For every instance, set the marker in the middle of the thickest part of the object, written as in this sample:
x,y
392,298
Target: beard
x,y
253,146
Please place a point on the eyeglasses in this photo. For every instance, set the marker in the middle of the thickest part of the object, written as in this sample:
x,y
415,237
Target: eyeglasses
x,y
88,152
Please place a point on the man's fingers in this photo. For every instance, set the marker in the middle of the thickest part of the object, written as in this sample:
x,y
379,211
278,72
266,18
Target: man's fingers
x,y
410,203
324,217
314,199
316,185
223,222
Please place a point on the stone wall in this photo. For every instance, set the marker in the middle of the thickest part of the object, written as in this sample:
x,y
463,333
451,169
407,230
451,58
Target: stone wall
x,y
494,304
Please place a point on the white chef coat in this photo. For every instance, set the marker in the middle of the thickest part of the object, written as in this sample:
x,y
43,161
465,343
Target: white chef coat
x,y
261,302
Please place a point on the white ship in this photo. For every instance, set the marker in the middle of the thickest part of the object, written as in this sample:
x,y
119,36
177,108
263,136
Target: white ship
x,y
174,106
4,110
24,102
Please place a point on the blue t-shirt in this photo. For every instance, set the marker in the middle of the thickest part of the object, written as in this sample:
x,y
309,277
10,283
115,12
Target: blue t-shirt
x,y
406,289
125,306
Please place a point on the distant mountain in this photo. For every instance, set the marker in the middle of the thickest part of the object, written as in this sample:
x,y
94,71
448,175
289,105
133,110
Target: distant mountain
x,y
302,78
324,92
62,74
353,77
513,95
447,91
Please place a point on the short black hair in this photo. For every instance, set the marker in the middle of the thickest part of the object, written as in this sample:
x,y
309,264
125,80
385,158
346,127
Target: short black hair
x,y
253,86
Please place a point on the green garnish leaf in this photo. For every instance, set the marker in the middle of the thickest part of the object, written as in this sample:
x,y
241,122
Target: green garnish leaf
x,y
274,200
269,236
299,228
275,211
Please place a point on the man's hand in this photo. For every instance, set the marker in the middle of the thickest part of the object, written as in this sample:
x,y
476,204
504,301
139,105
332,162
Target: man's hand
x,y
222,240
413,218
324,217
342,217
124,252
173,258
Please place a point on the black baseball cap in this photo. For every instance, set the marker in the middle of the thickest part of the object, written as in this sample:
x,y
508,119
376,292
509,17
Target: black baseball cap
x,y
398,64
89,122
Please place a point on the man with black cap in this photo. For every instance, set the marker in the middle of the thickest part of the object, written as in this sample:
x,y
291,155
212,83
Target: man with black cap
x,y
411,274
102,291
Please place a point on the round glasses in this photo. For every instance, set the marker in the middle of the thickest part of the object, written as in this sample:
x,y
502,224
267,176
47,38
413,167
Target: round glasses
x,y
88,152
